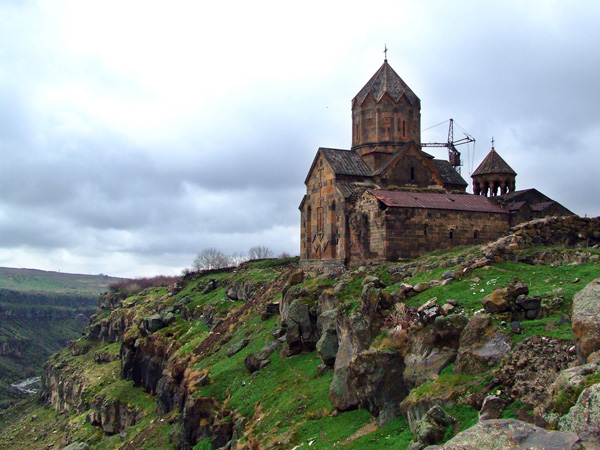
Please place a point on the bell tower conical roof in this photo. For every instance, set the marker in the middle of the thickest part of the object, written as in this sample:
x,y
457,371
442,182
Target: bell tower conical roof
x,y
493,176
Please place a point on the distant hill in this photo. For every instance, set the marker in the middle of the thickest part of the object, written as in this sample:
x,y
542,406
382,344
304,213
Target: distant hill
x,y
40,312
33,280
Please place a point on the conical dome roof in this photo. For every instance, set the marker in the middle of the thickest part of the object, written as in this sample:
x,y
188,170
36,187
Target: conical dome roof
x,y
493,163
385,80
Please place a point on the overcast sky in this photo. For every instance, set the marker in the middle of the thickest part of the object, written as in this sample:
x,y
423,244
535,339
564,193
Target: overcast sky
x,y
133,134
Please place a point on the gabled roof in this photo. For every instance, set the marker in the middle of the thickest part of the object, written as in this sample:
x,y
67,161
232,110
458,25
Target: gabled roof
x,y
427,200
524,194
393,157
342,162
386,81
345,162
347,188
445,170
493,163
448,173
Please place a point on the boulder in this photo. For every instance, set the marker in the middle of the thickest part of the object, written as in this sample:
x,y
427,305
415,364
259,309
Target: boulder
x,y
481,346
237,347
296,278
421,287
375,377
429,311
492,407
327,347
432,348
293,293
585,317
302,333
354,336
327,302
496,302
376,282
153,323
510,434
431,428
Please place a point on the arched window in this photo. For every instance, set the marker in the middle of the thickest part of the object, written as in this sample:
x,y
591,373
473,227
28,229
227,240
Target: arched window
x,y
451,235
412,174
476,235
425,229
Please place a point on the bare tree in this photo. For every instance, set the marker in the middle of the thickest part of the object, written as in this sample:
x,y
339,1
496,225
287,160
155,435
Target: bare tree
x,y
210,258
237,258
260,252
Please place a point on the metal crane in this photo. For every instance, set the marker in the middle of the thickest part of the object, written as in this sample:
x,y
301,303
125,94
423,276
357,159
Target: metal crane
x,y
453,153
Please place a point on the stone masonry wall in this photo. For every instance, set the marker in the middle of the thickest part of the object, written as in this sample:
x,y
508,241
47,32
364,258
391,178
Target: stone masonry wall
x,y
412,232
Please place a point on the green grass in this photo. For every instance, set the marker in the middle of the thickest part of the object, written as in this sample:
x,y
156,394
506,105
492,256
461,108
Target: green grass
x,y
31,280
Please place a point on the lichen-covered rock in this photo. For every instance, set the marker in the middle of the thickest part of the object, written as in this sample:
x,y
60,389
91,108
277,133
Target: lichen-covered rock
x,y
431,428
492,407
291,294
256,361
376,379
302,333
354,336
432,348
510,434
481,346
421,287
585,317
496,302
584,417
236,347
327,346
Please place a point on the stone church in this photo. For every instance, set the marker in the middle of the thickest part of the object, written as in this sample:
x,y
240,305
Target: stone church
x,y
386,199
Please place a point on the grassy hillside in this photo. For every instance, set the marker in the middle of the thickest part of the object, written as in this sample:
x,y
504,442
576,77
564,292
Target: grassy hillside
x,y
209,335
32,280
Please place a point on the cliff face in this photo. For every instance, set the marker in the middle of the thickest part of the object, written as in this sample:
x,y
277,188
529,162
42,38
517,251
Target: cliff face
x,y
269,356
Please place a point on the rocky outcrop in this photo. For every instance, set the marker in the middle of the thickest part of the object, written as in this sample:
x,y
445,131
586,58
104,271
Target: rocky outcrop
x,y
585,317
432,348
531,367
354,336
144,359
242,290
14,347
481,346
299,319
112,415
111,328
202,419
510,434
584,417
259,360
64,389
375,377
431,428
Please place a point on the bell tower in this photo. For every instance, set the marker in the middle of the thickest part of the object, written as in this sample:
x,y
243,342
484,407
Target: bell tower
x,y
493,176
386,114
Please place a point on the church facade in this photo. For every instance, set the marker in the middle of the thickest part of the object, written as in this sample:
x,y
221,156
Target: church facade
x,y
387,199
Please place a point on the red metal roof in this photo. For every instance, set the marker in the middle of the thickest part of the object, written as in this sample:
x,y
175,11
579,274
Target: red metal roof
x,y
455,202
